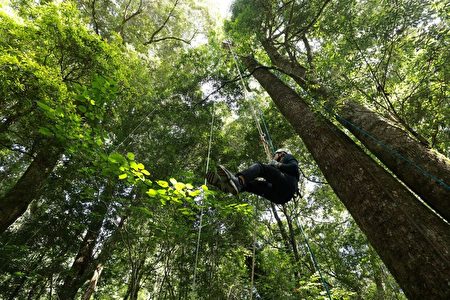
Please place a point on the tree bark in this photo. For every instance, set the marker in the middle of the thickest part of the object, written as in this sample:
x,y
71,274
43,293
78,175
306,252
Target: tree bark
x,y
412,241
15,202
290,244
93,283
79,271
424,171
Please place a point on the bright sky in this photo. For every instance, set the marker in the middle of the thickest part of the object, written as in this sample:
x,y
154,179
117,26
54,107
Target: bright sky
x,y
220,6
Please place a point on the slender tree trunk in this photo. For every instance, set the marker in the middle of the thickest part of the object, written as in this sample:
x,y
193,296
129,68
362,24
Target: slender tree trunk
x,y
79,270
18,286
15,202
423,170
283,232
292,240
93,283
411,240
289,241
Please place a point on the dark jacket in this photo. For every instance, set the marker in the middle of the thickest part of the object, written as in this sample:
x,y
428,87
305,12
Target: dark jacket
x,y
289,166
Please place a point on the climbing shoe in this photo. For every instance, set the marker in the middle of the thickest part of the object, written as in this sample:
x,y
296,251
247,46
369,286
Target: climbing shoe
x,y
232,184
213,178
221,183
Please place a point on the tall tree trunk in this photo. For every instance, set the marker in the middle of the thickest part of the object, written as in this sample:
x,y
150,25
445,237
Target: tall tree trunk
x,y
423,170
412,241
15,202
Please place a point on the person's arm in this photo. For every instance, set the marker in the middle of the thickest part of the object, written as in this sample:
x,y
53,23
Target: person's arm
x,y
289,165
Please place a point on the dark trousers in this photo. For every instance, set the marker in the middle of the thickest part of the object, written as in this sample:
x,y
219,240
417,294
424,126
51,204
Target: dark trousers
x,y
275,186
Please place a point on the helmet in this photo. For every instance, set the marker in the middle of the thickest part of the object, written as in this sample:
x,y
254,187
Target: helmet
x,y
283,150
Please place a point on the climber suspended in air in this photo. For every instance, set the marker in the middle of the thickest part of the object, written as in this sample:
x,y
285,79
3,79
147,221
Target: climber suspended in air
x,y
276,181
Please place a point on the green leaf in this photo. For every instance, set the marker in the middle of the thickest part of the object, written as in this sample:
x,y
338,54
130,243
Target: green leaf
x,y
162,183
45,131
59,112
123,176
116,158
194,193
145,172
179,186
134,165
82,108
162,192
151,193
130,155
44,106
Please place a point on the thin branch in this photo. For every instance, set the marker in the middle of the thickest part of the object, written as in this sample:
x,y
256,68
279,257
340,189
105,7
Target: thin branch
x,y
237,78
152,38
128,18
169,38
305,29
15,148
308,50
311,180
291,16
392,109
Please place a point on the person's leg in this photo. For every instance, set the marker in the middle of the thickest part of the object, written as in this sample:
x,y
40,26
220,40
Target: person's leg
x,y
214,179
268,172
265,189
259,187
275,187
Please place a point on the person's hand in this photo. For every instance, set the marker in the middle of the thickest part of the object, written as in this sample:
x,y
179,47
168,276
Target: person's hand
x,y
275,163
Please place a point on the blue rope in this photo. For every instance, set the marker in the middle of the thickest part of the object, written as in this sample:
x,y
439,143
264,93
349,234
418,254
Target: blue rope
x,y
393,151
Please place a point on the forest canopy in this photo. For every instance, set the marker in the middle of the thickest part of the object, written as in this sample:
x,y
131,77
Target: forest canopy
x,y
112,113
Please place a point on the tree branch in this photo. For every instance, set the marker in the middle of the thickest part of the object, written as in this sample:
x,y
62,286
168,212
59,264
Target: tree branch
x,y
128,18
305,29
152,37
237,78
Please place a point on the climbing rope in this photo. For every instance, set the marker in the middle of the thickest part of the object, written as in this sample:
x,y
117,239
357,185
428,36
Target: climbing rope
x,y
252,105
313,259
269,150
199,233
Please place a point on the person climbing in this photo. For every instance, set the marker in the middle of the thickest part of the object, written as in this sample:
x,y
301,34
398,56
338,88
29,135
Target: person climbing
x,y
276,181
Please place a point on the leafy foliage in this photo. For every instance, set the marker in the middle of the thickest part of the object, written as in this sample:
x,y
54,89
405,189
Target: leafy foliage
x,y
119,88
